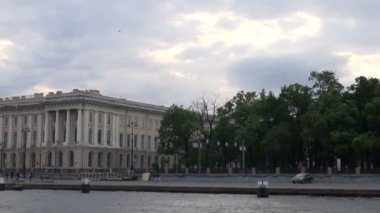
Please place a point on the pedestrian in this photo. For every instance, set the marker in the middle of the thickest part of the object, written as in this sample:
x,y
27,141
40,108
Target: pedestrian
x,y
30,177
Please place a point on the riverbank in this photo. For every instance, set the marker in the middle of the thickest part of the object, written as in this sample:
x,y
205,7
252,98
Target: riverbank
x,y
217,187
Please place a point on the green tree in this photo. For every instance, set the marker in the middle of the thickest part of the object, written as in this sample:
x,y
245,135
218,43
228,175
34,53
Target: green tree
x,y
177,128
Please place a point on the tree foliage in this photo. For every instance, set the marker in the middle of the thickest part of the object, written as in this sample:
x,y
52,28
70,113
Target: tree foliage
x,y
302,125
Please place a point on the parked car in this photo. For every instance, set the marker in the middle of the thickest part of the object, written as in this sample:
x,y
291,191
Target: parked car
x,y
302,178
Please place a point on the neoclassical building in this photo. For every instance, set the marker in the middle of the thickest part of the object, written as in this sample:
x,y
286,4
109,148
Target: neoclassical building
x,y
79,131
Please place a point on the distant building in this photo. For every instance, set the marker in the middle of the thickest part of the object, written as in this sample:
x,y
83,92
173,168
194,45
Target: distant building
x,y
78,131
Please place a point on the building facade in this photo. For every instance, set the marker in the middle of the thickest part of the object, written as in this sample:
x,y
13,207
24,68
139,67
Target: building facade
x,y
79,131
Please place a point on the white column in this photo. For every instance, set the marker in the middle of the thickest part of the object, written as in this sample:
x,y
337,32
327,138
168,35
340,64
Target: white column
x,y
39,130
10,131
20,138
105,122
31,130
79,126
95,128
56,126
68,125
115,127
1,130
85,130
46,129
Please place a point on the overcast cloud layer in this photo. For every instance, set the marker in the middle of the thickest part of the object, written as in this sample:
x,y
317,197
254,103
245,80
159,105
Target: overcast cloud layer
x,y
166,52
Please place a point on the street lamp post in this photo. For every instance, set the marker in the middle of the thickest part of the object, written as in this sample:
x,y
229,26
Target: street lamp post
x,y
132,124
242,149
25,131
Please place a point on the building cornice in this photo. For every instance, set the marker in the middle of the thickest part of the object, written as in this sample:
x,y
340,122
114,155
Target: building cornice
x,y
75,97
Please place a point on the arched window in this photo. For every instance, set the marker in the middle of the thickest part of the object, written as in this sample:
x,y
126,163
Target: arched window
x,y
90,136
14,142
49,159
71,159
109,137
109,160
90,159
100,160
120,161
5,139
34,139
60,159
99,136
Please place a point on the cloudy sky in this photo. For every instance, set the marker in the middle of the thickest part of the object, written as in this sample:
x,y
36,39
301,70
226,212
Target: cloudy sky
x,y
174,51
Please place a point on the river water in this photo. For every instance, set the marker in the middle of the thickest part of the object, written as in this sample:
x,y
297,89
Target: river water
x,y
50,201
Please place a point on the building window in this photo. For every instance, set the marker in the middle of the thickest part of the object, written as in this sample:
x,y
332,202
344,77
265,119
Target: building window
x,y
99,136
49,159
121,140
128,140
109,120
5,139
100,118
90,159
14,142
155,142
135,141
90,117
71,159
33,160
149,162
34,138
136,122
13,158
100,159
35,120
6,121
109,160
142,141
149,140
60,159
75,135
142,162
53,136
109,137
90,136
120,161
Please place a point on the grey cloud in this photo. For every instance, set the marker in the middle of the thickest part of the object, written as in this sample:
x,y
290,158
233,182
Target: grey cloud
x,y
82,44
271,73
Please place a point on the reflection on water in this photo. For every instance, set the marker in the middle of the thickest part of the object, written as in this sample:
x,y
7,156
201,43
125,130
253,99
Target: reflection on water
x,y
30,201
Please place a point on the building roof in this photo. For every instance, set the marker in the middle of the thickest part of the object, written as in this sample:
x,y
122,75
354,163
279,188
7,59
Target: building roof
x,y
85,96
